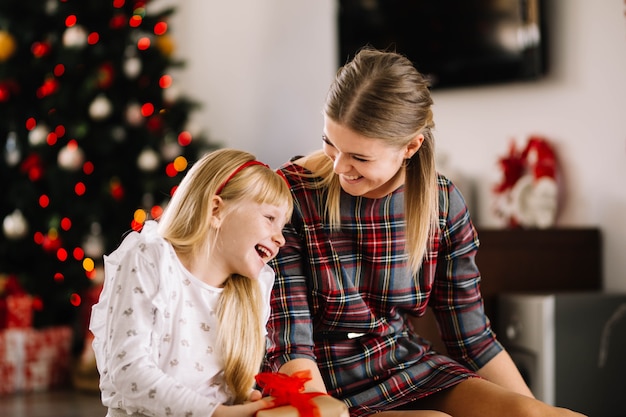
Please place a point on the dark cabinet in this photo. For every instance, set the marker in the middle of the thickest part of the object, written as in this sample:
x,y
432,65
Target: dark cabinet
x,y
530,260
538,260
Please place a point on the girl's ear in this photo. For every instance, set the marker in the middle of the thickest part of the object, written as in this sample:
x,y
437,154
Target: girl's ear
x,y
414,145
217,211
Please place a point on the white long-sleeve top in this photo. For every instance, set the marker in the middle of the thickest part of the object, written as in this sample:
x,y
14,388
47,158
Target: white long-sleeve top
x,y
155,329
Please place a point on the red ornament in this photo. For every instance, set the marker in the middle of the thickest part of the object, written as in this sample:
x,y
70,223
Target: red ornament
x,y
118,21
106,75
8,88
117,190
4,92
33,167
37,303
184,138
49,86
51,243
41,49
154,124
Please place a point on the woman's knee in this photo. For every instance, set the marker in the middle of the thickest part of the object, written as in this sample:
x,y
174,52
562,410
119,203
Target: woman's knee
x,y
413,413
478,397
535,408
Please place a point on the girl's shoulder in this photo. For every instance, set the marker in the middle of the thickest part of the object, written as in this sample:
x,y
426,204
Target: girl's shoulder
x,y
146,243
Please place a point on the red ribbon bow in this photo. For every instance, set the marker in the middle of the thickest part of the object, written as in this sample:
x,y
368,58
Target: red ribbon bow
x,y
289,390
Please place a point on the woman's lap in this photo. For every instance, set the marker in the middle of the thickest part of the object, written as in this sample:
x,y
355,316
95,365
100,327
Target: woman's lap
x,y
477,397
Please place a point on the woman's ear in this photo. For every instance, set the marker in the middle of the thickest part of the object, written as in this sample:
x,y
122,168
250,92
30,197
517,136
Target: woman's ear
x,y
217,211
413,146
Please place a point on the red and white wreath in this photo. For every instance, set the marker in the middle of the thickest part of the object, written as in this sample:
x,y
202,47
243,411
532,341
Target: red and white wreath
x,y
528,195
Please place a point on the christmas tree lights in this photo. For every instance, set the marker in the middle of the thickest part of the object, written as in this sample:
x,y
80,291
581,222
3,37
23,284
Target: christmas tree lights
x,y
93,134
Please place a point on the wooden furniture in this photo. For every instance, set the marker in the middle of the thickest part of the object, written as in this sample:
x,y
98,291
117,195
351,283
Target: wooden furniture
x,y
531,260
538,260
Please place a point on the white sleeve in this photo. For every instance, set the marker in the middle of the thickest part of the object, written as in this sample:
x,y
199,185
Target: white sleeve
x,y
126,344
266,282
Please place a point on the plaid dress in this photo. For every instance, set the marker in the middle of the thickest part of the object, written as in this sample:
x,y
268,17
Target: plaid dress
x,y
342,298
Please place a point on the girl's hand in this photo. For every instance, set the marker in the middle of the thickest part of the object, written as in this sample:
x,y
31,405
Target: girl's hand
x,y
247,409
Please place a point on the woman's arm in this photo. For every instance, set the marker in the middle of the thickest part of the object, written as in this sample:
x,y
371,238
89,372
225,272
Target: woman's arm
x,y
502,371
316,384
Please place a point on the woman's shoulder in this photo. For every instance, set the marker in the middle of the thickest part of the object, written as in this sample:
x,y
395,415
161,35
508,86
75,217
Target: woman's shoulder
x,y
306,170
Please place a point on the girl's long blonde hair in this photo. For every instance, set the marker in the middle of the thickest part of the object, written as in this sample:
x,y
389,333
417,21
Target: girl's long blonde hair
x,y
380,95
186,224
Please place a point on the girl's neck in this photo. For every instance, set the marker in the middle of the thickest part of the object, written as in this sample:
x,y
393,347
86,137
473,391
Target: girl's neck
x,y
201,268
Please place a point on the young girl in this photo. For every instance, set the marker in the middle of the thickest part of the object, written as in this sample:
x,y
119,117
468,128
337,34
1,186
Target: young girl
x,y
179,327
376,238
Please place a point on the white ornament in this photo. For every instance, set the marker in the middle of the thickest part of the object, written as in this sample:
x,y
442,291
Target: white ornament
x,y
93,244
171,94
75,37
12,152
170,150
535,201
132,67
133,114
38,135
15,225
52,6
100,108
118,133
148,160
71,157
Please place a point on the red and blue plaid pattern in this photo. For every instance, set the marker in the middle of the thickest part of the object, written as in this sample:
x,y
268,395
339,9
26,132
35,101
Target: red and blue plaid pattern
x,y
342,298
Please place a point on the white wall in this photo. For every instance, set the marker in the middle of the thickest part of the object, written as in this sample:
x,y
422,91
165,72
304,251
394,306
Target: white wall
x,y
262,68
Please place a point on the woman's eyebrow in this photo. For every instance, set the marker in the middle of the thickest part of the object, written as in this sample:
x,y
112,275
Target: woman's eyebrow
x,y
357,155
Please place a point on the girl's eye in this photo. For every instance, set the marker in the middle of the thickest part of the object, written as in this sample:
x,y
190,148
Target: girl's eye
x,y
270,218
360,159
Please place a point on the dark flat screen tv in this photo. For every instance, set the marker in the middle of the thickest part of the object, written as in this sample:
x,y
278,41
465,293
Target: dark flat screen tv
x,y
453,42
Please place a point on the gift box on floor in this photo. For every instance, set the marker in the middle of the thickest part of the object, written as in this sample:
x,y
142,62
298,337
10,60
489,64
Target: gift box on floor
x,y
16,306
16,311
34,359
292,401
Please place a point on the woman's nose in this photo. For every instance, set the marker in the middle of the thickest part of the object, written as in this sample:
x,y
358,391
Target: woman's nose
x,y
340,164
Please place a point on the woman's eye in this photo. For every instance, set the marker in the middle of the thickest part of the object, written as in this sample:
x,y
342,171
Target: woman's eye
x,y
360,159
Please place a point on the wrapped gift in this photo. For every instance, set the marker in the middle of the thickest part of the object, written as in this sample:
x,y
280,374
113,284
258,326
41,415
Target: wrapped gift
x,y
34,360
292,401
321,406
16,311
16,306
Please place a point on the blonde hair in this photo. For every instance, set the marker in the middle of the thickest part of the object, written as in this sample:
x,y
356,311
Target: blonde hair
x,y
186,224
380,95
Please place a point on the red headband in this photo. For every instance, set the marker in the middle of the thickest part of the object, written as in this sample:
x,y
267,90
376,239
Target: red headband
x,y
236,171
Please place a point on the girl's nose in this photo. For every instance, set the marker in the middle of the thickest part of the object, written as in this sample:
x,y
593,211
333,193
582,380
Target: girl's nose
x,y
279,239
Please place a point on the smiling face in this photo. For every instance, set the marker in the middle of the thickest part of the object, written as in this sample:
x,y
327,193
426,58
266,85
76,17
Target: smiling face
x,y
366,167
248,237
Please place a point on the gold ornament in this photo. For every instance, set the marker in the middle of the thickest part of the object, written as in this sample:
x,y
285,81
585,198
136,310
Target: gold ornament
x,y
165,43
7,45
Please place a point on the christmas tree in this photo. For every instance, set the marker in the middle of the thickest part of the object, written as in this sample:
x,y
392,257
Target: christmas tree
x,y
93,138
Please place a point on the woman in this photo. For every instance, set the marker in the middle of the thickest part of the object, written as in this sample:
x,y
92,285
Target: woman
x,y
377,237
